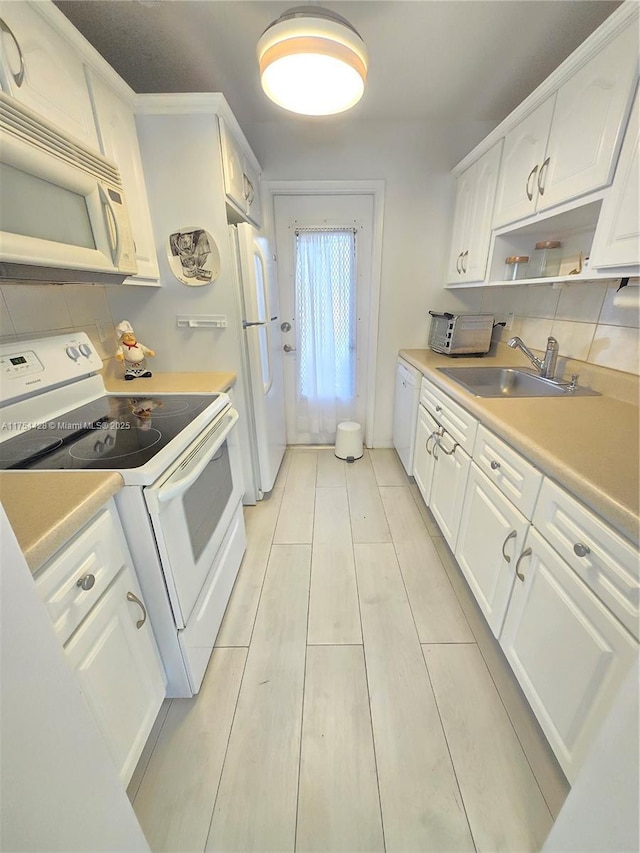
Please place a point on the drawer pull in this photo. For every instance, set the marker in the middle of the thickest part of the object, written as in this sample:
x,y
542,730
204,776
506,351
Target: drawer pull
x,y
581,550
132,597
495,465
526,553
438,408
86,582
512,535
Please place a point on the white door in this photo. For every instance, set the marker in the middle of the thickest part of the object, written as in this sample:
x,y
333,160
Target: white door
x,y
566,649
522,159
423,459
490,540
264,351
461,223
113,654
448,486
617,237
328,239
588,122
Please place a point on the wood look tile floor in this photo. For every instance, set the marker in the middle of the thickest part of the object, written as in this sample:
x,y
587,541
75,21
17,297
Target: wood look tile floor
x,y
351,701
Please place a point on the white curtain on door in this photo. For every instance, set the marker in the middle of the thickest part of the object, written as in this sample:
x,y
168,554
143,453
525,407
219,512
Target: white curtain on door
x,y
326,334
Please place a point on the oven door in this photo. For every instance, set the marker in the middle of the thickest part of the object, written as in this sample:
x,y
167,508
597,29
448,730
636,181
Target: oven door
x,y
191,507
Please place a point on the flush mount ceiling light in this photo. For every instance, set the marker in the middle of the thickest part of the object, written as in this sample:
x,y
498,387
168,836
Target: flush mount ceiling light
x,y
312,61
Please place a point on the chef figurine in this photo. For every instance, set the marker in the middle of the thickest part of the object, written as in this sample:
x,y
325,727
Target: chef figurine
x,y
132,352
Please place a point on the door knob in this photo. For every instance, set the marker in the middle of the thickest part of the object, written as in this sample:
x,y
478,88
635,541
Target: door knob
x,y
287,348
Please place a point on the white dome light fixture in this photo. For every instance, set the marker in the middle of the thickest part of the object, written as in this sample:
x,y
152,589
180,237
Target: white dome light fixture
x,y
312,62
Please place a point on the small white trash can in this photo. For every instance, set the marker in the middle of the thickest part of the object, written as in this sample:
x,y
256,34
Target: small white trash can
x,y
349,441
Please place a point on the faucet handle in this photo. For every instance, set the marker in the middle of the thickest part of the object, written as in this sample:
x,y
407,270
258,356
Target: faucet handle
x,y
574,382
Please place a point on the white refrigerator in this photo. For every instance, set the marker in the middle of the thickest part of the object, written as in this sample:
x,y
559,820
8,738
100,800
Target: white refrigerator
x,y
261,359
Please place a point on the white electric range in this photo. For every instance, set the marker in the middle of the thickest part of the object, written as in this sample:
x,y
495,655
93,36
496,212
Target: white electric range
x,y
179,459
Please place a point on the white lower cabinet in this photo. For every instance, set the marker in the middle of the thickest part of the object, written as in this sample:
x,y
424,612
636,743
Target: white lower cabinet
x,y
113,655
558,587
568,652
423,458
92,595
490,541
448,486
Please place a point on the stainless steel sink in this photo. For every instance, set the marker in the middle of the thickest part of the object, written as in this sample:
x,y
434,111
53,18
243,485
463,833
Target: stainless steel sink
x,y
512,382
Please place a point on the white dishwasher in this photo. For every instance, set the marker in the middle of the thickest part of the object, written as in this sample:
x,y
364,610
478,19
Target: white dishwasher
x,y
405,412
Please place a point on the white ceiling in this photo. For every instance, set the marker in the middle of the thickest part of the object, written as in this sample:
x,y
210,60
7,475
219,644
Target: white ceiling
x,y
429,59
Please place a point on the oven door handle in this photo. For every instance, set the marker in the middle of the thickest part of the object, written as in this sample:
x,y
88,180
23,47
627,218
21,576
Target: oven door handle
x,y
197,459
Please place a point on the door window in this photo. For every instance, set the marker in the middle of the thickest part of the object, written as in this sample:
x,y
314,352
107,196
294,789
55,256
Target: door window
x,y
325,298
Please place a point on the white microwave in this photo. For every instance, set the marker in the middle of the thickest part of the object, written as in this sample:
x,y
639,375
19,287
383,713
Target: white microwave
x,y
62,211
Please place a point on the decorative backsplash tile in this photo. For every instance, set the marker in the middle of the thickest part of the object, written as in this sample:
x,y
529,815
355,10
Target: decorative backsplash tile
x,y
574,339
582,316
612,315
616,347
581,302
36,308
33,310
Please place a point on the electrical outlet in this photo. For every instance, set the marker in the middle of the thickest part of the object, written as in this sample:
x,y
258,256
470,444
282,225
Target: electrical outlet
x,y
103,330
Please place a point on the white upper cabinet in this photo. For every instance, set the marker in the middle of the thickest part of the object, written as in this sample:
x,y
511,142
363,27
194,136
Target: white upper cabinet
x,y
241,178
119,142
617,238
568,146
42,70
524,149
589,121
475,194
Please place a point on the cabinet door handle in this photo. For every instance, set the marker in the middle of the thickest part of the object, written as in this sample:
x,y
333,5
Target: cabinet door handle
x,y
458,259
531,175
19,76
438,408
512,535
444,450
494,465
430,438
86,582
526,553
542,175
581,550
465,255
134,598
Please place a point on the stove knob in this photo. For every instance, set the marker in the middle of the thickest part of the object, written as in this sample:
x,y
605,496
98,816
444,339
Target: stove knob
x,y
73,353
85,350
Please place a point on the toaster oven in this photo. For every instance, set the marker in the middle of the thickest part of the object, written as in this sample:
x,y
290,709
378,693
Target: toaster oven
x,y
460,334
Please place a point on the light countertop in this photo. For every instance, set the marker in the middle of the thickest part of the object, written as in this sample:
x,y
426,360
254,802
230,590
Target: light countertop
x,y
169,383
46,508
589,445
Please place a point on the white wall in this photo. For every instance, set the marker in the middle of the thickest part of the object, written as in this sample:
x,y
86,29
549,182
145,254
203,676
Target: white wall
x,y
414,159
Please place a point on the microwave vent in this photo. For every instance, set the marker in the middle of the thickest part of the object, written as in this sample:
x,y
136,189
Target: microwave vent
x,y
22,123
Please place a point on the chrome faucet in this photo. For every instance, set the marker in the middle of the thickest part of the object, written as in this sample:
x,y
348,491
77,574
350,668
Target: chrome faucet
x,y
547,367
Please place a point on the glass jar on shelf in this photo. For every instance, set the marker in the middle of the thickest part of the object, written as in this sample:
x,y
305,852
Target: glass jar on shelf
x,y
515,267
545,260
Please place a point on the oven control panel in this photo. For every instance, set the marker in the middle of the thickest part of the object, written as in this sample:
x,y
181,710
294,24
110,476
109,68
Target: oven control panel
x,y
27,367
20,364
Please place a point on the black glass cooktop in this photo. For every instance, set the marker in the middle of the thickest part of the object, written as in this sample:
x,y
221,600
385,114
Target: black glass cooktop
x,y
110,433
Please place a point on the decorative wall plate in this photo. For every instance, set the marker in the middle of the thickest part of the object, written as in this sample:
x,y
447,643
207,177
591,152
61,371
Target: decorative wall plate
x,y
193,256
